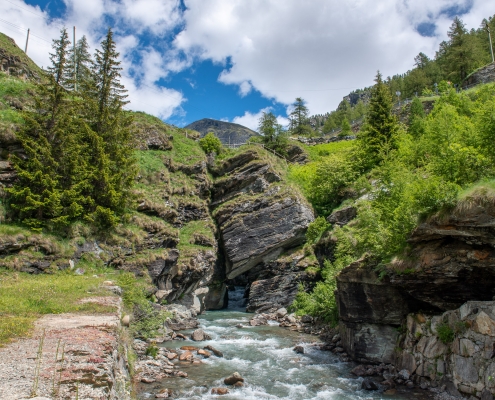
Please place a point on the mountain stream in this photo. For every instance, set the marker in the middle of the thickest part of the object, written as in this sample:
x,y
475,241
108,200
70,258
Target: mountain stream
x,y
265,358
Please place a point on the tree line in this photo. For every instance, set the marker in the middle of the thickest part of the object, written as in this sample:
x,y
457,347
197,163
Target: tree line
x,y
78,162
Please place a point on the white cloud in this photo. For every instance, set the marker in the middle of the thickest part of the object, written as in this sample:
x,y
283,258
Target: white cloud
x,y
251,120
319,50
88,16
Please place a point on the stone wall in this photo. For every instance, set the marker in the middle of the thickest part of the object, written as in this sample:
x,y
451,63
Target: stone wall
x,y
457,346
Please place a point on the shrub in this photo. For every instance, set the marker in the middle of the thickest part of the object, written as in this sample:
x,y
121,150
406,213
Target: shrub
x,y
211,144
317,228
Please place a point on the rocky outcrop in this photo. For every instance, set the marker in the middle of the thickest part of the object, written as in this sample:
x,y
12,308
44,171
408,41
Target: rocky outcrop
x,y
274,285
451,262
485,74
259,229
343,216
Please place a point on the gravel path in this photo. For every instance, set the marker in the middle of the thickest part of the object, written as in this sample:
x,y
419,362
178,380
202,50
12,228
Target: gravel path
x,y
79,354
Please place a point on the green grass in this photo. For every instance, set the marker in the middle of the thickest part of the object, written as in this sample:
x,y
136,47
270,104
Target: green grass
x,y
320,151
24,298
187,232
150,161
10,48
186,150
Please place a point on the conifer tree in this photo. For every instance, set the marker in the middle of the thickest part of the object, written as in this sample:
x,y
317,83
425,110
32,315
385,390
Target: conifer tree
x,y
80,61
378,137
115,164
299,118
46,189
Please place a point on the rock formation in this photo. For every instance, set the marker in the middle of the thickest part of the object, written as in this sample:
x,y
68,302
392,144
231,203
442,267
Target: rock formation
x,y
447,279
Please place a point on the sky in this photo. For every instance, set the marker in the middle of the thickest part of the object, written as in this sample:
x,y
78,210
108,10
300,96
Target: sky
x,y
232,60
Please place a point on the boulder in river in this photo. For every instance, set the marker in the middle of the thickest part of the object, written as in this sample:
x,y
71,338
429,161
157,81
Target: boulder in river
x,y
199,335
281,312
164,394
204,353
186,356
299,349
219,391
218,353
234,378
368,384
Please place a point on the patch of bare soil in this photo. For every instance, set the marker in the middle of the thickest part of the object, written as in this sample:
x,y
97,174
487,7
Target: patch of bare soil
x,y
69,356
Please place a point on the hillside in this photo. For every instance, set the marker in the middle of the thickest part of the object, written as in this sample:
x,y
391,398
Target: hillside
x,y
227,132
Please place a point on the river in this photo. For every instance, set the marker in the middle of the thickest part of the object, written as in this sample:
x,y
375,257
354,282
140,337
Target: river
x,y
265,358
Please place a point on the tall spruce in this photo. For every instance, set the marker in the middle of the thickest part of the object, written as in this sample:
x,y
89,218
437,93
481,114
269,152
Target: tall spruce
x,y
46,191
115,161
80,62
378,137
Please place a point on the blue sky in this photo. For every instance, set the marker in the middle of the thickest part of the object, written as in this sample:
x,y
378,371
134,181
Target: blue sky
x,y
233,59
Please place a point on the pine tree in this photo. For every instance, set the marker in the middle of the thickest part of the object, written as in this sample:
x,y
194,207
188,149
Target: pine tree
x,y
378,137
299,118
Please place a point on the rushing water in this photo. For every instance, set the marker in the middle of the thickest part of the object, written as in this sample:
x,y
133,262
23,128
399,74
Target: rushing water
x,y
265,358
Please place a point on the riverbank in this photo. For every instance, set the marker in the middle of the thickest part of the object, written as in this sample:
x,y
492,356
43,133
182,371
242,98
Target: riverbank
x,y
275,363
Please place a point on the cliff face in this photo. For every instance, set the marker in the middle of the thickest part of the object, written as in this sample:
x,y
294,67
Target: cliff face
x,y
258,215
451,265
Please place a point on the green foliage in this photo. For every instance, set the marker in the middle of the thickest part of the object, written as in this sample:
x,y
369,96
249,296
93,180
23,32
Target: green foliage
x,y
378,138
346,128
445,333
146,321
211,144
316,229
152,350
80,162
273,135
299,118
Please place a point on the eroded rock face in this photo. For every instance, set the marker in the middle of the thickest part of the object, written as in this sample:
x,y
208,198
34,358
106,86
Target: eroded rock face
x,y
452,261
260,229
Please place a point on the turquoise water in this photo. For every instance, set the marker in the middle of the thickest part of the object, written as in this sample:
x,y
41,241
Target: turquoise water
x,y
264,357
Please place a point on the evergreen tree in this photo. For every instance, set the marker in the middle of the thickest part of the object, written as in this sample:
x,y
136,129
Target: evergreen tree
x,y
346,128
461,54
378,136
80,61
417,113
47,190
273,134
116,171
299,118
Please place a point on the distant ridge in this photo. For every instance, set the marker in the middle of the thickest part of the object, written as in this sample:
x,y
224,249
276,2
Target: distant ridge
x,y
227,132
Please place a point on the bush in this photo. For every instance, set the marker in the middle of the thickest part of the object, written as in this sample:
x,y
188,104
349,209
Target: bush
x,y
317,228
211,144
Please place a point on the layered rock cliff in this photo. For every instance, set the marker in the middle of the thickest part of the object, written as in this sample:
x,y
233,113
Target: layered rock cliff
x,y
449,269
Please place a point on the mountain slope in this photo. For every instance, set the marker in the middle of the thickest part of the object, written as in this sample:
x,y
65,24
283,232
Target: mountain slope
x,y
227,132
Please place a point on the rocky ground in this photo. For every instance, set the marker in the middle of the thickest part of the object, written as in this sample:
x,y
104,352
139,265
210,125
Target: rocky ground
x,y
68,356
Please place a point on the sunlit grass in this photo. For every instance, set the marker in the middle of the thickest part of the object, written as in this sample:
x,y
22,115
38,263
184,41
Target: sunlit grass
x,y
24,298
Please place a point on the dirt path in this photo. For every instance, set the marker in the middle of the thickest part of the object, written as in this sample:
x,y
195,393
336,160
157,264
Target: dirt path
x,y
79,358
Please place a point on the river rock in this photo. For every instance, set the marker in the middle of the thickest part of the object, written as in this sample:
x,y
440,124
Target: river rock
x,y
404,374
299,349
281,312
219,391
218,353
204,353
199,335
186,356
190,348
164,394
232,379
238,384
360,370
369,384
